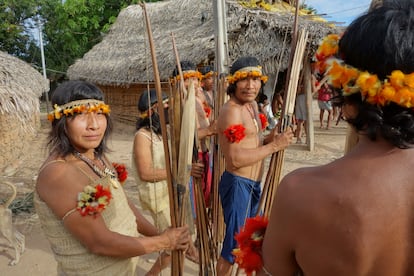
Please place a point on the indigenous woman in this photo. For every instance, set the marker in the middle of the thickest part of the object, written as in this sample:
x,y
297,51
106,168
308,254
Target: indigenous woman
x,y
92,227
149,165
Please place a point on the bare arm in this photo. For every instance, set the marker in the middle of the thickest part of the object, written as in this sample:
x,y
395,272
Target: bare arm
x,y
58,186
207,131
144,162
316,87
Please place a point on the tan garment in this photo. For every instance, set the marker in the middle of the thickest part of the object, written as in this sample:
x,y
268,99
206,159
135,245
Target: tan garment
x,y
154,195
72,257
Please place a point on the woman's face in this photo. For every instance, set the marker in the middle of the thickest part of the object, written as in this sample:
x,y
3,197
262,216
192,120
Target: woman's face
x,y
86,130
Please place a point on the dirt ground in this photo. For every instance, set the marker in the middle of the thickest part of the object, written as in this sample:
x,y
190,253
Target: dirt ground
x,y
38,260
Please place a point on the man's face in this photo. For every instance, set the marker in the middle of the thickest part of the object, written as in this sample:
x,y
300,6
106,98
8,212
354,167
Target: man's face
x,y
208,83
247,89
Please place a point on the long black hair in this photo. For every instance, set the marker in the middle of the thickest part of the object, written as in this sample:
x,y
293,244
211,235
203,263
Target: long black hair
x,y
69,91
146,100
379,42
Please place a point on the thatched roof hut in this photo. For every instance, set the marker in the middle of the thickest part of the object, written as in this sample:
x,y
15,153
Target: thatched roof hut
x,y
20,88
123,59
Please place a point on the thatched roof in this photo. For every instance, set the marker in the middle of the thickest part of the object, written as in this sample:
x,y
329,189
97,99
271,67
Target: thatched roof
x,y
123,56
20,87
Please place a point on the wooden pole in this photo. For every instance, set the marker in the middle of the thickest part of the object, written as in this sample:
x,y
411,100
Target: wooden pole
x,y
276,161
307,84
176,268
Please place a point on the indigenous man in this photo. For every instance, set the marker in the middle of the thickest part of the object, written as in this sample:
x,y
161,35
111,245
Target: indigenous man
x,y
244,148
207,84
205,104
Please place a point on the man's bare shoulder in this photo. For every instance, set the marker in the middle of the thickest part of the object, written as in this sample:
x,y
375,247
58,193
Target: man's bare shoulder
x,y
306,185
230,113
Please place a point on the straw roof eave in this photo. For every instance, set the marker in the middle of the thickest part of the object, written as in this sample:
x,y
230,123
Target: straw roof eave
x,y
20,87
123,56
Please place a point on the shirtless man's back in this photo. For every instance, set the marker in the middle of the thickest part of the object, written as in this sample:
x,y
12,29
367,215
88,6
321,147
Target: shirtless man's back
x,y
355,215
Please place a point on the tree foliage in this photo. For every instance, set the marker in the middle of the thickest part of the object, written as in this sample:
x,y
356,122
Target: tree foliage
x,y
15,25
70,28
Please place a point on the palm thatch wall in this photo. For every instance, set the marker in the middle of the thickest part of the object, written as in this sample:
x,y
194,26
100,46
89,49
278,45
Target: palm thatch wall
x,y
20,89
123,58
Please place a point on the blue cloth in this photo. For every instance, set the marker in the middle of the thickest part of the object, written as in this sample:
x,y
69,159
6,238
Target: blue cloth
x,y
240,200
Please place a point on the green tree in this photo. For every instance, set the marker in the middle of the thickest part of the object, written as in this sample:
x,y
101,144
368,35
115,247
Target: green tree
x,y
70,29
74,27
16,22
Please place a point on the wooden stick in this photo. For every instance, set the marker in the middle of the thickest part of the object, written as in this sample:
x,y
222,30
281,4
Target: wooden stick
x,y
277,159
161,113
176,269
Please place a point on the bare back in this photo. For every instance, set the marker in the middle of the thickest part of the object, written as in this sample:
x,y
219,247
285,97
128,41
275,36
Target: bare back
x,y
359,224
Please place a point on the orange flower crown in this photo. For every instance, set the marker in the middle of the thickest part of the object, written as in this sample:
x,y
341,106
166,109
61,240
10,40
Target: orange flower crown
x,y
397,88
247,72
191,74
80,106
209,74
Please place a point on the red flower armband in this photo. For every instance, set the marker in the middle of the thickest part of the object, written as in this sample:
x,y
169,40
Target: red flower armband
x,y
263,121
235,133
248,254
93,200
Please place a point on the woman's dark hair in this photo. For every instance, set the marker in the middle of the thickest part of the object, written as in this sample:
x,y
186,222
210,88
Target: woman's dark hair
x,y
146,100
379,42
186,65
67,92
153,123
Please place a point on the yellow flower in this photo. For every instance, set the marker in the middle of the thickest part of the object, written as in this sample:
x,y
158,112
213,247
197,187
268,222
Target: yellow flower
x,y
404,97
397,79
328,47
409,80
369,84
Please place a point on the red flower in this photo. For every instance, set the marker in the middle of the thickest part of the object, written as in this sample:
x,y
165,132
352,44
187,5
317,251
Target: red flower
x,y
121,172
249,241
263,120
235,133
93,200
207,110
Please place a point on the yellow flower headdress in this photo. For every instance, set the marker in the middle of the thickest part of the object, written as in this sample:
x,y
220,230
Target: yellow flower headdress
x,y
397,88
209,74
80,106
245,72
191,74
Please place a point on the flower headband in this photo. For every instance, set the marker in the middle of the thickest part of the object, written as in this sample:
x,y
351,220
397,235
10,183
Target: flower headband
x,y
80,106
245,72
209,74
397,88
191,74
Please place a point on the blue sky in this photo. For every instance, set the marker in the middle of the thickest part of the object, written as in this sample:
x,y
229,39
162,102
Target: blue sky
x,y
339,10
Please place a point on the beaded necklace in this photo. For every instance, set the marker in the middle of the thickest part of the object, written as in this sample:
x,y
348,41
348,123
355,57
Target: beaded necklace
x,y
102,173
252,115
